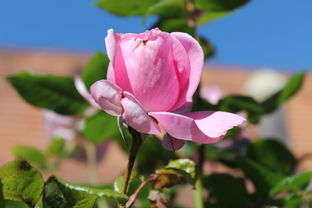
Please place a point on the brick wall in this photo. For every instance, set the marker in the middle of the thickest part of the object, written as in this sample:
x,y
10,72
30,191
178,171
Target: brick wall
x,y
21,123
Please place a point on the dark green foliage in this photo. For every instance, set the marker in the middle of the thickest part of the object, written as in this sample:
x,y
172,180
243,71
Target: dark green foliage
x,y
262,178
147,160
61,194
237,103
225,191
254,109
95,70
31,154
21,182
293,183
293,86
126,7
100,127
57,93
166,9
219,5
273,155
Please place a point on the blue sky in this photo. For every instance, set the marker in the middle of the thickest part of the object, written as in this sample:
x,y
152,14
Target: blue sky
x,y
265,33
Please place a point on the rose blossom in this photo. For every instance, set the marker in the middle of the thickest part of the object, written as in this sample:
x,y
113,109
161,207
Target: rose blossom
x,y
151,77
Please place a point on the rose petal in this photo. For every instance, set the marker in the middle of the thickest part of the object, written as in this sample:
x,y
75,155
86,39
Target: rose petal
x,y
107,95
135,116
116,72
183,68
171,143
202,127
150,69
196,57
81,88
110,43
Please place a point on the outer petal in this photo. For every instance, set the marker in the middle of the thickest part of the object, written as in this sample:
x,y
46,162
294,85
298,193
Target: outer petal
x,y
202,127
110,43
171,143
108,96
116,72
81,88
135,116
196,57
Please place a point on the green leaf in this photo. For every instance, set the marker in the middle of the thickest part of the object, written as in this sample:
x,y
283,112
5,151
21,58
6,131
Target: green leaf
x,y
61,148
293,183
100,127
57,147
95,70
167,178
219,5
237,103
174,171
168,9
293,86
186,165
263,178
296,202
134,183
31,154
214,9
211,16
21,182
51,92
61,194
119,182
273,155
226,191
173,25
14,204
126,7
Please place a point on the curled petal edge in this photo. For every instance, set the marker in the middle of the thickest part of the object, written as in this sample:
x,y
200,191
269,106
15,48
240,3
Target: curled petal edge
x,y
171,143
202,127
108,96
81,88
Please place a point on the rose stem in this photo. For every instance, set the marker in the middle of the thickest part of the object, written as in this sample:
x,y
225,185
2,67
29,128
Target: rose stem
x,y
135,145
198,186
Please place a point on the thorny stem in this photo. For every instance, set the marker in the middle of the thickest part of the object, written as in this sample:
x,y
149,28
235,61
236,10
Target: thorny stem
x,y
135,145
133,197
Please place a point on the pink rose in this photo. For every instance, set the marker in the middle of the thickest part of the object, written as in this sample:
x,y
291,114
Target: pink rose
x,y
151,77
